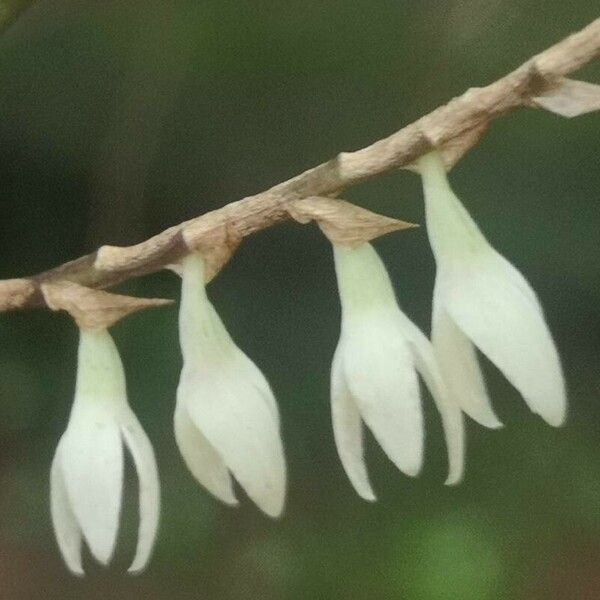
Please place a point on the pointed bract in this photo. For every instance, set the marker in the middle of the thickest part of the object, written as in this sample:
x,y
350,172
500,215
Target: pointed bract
x,y
87,470
481,298
226,418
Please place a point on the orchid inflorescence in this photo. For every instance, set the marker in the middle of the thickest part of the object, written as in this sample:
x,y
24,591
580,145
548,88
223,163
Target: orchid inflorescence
x,y
226,419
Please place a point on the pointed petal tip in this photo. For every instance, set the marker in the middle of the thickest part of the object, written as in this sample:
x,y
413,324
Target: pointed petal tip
x,y
230,500
269,500
487,419
558,419
272,501
414,468
137,567
367,495
454,479
363,488
103,554
140,561
225,495
273,512
77,571
555,412
456,469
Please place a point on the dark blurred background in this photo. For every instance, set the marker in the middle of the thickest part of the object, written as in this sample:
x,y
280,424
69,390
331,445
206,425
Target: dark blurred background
x,y
121,118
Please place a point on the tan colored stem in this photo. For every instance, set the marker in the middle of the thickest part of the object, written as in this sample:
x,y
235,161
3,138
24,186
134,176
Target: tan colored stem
x,y
10,10
453,128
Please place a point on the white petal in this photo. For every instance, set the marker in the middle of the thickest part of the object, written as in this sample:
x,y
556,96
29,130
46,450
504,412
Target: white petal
x,y
201,458
450,412
66,530
243,364
459,367
238,422
348,432
455,239
149,489
376,360
92,465
202,333
489,303
380,375
230,404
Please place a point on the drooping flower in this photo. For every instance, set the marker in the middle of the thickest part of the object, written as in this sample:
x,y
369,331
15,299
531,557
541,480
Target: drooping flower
x,y
226,419
374,375
480,299
86,479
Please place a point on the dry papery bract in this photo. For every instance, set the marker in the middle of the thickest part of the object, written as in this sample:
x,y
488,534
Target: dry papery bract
x,y
570,98
452,129
217,246
342,222
454,149
94,309
216,241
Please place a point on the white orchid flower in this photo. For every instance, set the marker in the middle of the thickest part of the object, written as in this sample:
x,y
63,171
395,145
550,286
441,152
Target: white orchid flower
x,y
374,375
481,299
86,480
226,419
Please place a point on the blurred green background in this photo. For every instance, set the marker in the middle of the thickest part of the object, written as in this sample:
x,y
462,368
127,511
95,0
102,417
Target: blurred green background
x,y
121,118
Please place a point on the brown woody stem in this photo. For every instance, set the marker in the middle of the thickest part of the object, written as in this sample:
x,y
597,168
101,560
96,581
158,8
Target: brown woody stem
x,y
453,128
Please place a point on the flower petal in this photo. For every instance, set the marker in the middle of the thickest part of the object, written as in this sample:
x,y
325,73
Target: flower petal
x,y
238,422
450,412
376,360
201,458
255,377
505,320
149,489
380,375
226,397
92,465
348,432
455,239
66,530
489,300
459,367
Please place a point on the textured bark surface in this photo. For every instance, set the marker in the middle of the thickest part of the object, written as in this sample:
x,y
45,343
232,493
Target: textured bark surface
x,y
453,129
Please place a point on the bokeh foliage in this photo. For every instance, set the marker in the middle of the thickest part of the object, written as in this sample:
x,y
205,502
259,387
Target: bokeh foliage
x,y
118,121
